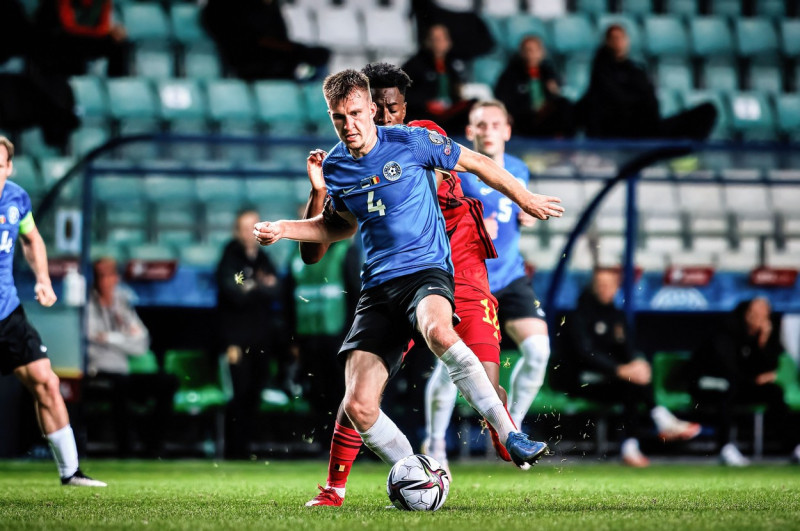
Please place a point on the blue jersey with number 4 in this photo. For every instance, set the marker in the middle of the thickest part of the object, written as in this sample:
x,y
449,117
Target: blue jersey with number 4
x,y
509,265
15,218
392,193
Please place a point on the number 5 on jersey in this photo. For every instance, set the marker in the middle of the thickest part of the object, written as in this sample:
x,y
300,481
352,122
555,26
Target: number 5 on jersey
x,y
377,206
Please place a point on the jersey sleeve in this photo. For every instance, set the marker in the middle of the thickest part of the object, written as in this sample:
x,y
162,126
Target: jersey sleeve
x,y
432,149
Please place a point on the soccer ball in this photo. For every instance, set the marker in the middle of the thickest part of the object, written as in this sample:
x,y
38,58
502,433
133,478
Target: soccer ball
x,y
418,483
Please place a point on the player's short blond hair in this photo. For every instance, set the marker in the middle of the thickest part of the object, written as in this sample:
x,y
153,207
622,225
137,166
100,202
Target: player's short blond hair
x,y
6,143
490,103
339,86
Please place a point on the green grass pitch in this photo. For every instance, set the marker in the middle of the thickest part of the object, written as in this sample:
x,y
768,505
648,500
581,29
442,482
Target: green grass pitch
x,y
485,496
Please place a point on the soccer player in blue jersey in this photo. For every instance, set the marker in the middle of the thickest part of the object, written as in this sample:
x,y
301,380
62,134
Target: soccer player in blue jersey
x,y
381,180
21,349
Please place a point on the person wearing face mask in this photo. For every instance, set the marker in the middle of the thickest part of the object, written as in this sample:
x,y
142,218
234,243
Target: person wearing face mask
x,y
737,366
530,89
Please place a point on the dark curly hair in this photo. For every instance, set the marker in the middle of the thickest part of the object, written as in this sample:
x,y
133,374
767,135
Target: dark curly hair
x,y
385,75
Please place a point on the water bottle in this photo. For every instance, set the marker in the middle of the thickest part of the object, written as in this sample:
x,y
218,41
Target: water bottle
x,y
74,287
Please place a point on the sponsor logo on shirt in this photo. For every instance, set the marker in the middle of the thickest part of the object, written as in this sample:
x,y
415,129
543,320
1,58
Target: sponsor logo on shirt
x,y
392,171
436,137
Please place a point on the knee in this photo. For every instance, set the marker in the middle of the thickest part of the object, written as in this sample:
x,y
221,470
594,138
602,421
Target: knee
x,y
46,388
362,413
438,337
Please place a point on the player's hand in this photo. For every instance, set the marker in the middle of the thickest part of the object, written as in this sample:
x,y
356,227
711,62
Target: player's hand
x,y
542,206
314,168
766,377
526,220
45,294
268,232
637,372
491,225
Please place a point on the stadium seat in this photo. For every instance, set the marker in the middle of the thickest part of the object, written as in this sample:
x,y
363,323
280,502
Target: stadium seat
x,y
522,25
280,107
722,129
151,251
766,76
317,110
497,28
231,105
147,363
399,41
228,189
54,169
185,23
592,7
102,250
577,71
675,73
549,10
711,36
154,61
668,102
90,99
199,255
727,8
118,188
788,379
87,138
462,5
671,380
790,37
756,37
174,239
182,104
487,69
131,98
752,116
27,176
785,199
145,21
719,74
124,237
632,28
339,28
31,142
788,112
573,34
683,8
665,36
636,8
299,24
200,61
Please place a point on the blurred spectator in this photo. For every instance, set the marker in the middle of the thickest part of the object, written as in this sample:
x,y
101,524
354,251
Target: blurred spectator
x,y
115,334
470,34
74,32
738,366
252,328
621,101
595,360
437,78
529,87
253,41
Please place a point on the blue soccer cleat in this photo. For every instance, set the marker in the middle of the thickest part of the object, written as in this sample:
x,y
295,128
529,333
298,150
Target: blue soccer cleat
x,y
524,452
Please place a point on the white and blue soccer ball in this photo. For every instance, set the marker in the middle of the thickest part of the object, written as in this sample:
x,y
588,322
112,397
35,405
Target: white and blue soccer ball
x,y
418,483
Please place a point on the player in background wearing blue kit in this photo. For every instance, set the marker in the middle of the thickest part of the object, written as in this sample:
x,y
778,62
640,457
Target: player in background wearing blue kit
x,y
21,349
381,180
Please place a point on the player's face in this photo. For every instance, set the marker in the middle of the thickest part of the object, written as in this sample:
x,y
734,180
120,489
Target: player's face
x,y
488,130
6,166
352,118
390,106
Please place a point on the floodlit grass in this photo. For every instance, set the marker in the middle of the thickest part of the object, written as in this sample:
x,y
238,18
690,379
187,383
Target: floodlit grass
x,y
270,495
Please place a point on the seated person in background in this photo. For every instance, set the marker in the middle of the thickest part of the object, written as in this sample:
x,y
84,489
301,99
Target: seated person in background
x,y
621,101
72,33
252,328
253,41
595,360
115,333
737,366
437,78
530,89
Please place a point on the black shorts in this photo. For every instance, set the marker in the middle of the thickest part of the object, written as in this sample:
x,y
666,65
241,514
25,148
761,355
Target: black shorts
x,y
20,343
386,316
517,301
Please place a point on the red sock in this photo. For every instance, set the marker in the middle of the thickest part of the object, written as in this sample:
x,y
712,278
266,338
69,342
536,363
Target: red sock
x,y
344,448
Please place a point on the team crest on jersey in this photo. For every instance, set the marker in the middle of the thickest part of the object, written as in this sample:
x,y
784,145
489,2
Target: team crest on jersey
x,y
436,137
13,215
392,171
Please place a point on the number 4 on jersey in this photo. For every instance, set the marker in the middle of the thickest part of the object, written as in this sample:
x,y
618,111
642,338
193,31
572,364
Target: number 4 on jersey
x,y
6,243
377,206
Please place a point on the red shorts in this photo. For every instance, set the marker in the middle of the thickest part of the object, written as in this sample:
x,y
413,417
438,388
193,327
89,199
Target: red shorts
x,y
477,308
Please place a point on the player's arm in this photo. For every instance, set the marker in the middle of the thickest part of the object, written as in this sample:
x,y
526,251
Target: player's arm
x,y
311,253
328,227
539,206
36,255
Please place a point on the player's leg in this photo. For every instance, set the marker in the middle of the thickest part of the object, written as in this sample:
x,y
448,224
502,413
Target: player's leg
x,y
440,401
433,313
51,412
345,445
530,335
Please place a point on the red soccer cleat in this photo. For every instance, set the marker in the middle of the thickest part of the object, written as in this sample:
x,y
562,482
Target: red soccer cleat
x,y
326,496
502,453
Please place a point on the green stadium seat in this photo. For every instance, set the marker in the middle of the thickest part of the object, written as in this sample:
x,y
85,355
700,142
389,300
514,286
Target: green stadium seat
x,y
573,34
228,189
630,25
145,21
280,107
90,98
124,236
671,380
199,381
711,36
87,138
174,239
683,8
674,73
181,99
668,102
790,37
497,27
722,129
487,69
756,37
788,112
151,251
168,189
522,25
317,110
720,74
118,189
26,174
154,62
788,379
199,254
102,250
766,76
577,71
55,168
200,61
185,23
147,363
637,8
727,8
131,98
592,7
665,35
31,142
752,116
230,100
775,9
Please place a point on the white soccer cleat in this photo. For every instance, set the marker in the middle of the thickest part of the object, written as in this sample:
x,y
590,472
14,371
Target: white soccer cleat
x,y
671,428
731,456
631,454
79,479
